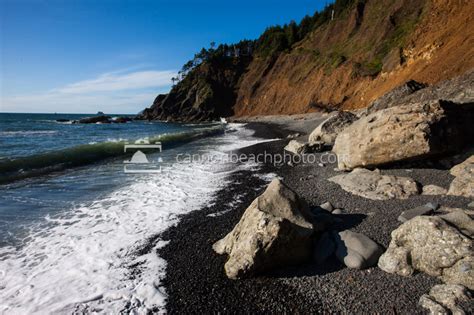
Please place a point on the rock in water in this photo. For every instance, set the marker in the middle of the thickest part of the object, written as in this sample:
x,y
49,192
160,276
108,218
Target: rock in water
x,y
407,132
445,299
356,250
463,183
328,130
373,185
94,120
430,245
421,210
272,232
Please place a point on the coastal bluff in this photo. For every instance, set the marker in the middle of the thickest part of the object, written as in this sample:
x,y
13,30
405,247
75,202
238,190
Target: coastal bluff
x,y
341,58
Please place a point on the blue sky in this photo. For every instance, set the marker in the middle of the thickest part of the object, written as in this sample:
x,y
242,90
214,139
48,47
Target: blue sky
x,y
112,55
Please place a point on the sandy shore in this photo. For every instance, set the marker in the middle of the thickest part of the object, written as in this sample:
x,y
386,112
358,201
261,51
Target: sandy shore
x,y
195,278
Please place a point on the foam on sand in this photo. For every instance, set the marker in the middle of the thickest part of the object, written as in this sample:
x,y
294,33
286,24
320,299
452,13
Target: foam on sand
x,y
101,257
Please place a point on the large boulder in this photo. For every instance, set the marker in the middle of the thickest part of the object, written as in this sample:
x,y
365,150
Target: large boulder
x,y
446,299
356,250
430,245
407,132
393,97
274,231
328,130
463,183
373,185
458,89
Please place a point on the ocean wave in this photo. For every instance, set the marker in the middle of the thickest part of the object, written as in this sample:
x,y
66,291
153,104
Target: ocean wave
x,y
103,255
48,162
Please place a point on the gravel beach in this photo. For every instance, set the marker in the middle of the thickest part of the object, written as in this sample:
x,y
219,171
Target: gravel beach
x,y
195,279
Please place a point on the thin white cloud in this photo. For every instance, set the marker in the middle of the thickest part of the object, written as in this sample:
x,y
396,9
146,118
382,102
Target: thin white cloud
x,y
120,82
113,92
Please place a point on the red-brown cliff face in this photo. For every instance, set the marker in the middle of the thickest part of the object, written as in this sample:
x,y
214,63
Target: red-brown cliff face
x,y
428,41
369,48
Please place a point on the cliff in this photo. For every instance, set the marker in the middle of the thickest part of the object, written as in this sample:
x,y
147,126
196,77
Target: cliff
x,y
342,62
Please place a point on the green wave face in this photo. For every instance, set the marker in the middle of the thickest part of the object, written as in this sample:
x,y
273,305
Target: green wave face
x,y
41,164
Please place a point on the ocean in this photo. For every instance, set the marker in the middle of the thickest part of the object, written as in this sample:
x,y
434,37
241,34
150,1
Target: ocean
x,y
80,221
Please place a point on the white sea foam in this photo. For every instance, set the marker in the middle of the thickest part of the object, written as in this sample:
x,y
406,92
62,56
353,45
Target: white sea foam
x,y
84,261
28,133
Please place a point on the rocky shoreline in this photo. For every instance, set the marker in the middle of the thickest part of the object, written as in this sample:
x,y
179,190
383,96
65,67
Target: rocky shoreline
x,y
196,280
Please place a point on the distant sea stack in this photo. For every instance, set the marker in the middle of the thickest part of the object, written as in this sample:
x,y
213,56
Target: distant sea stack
x,y
343,57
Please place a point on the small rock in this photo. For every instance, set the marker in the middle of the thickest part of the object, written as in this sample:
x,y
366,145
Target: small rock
x,y
445,299
323,220
296,147
356,250
434,190
337,211
460,219
317,146
321,164
434,308
293,135
327,206
328,130
324,248
290,163
471,204
421,210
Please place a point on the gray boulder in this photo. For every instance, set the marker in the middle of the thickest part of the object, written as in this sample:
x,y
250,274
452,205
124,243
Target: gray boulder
x,y
328,130
407,132
272,232
459,90
356,250
393,97
421,210
430,245
375,186
445,299
463,183
460,218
